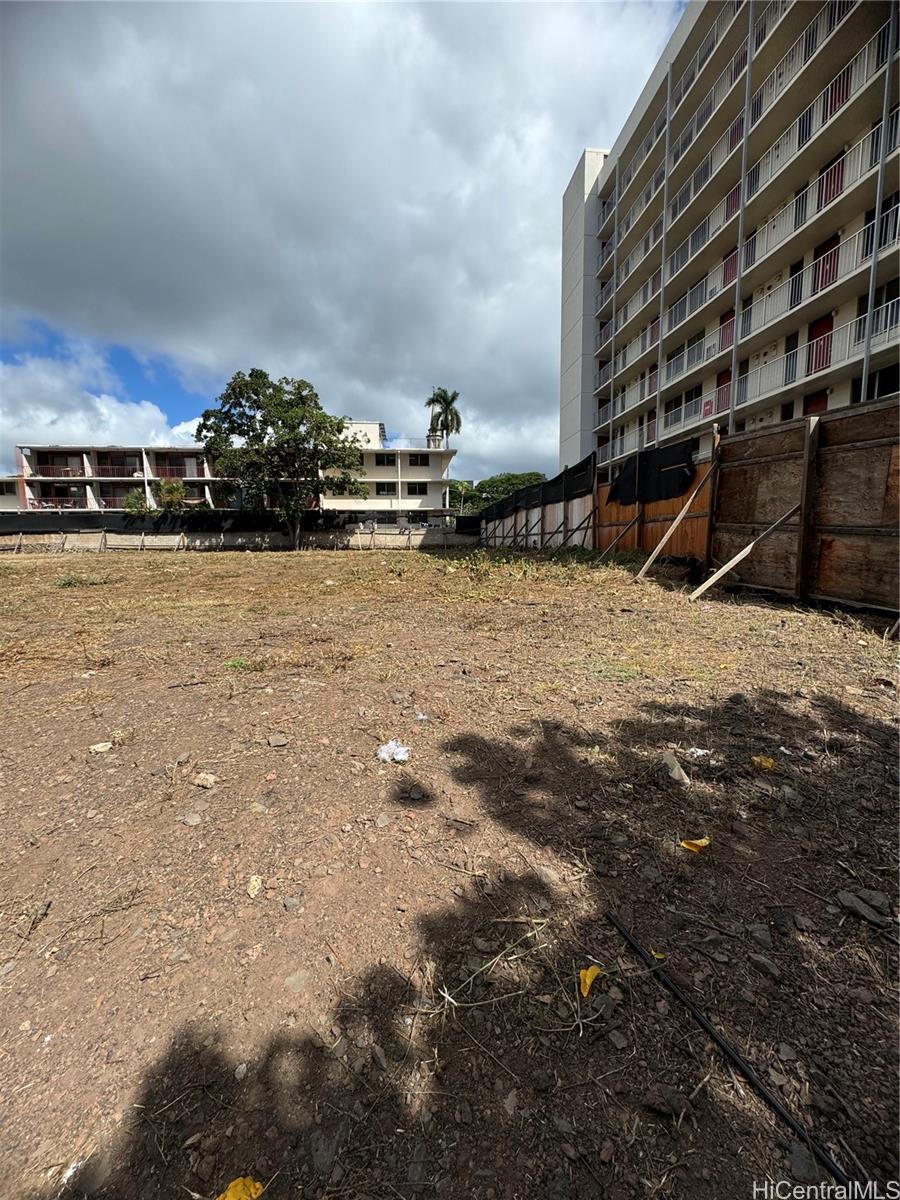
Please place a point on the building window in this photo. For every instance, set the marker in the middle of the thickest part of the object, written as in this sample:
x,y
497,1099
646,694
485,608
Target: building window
x,y
787,410
417,489
386,489
420,460
7,488
385,460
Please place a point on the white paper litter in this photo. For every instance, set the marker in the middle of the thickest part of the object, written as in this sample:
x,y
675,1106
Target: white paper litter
x,y
393,751
696,752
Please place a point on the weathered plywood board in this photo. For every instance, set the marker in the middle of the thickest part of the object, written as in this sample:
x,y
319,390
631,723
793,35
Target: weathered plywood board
x,y
784,439
758,493
858,486
866,423
862,568
772,564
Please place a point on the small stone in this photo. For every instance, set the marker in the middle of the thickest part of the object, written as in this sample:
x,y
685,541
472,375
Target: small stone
x,y
804,924
582,804
786,1053
297,982
876,900
761,935
240,1072
764,965
7,967
860,909
382,820
292,903
379,1056
256,807
203,779
548,875
667,1100
364,863
277,739
191,819
561,1125
802,1165
101,748
340,1047
254,886
91,813
206,1167
618,1039
569,1151
607,1150
861,995
416,793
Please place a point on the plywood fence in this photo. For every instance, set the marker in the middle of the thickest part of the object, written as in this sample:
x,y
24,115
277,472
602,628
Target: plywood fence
x,y
689,539
841,468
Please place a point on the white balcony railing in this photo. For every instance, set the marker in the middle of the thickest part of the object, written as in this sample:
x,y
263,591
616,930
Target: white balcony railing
x,y
604,295
710,103
651,238
640,155
639,299
854,76
643,200
836,264
686,80
819,29
842,345
700,351
645,340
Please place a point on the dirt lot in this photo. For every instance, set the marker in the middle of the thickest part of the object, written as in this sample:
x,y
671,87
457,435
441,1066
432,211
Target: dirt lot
x,y
233,942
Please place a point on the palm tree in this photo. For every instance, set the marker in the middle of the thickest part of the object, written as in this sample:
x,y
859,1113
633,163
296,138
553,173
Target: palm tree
x,y
445,418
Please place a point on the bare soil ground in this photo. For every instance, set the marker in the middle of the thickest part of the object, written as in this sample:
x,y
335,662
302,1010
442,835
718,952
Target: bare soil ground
x,y
350,978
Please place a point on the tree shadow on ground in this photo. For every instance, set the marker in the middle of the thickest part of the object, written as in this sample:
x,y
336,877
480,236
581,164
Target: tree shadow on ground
x,y
483,1072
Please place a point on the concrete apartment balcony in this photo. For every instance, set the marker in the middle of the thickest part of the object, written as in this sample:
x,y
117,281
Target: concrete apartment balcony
x,y
821,361
118,471
640,351
798,141
434,441
684,84
819,206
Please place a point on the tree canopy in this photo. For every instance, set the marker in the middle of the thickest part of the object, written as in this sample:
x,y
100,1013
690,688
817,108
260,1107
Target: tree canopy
x,y
472,498
445,418
273,439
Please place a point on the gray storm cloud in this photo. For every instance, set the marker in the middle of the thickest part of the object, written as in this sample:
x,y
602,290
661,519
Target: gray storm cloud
x,y
367,196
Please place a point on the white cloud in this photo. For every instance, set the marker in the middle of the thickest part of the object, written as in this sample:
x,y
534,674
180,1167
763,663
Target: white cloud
x,y
71,397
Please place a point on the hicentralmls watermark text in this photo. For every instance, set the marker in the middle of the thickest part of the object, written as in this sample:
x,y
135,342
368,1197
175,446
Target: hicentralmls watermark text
x,y
784,1189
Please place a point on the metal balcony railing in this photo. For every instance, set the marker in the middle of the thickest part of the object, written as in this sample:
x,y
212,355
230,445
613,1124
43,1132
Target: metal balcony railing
x,y
854,76
840,346
607,208
605,254
604,414
700,351
650,239
643,200
179,472
849,169
819,29
640,155
603,453
846,84
56,471
639,299
834,265
602,376
58,502
118,470
604,295
602,336
710,103
434,441
645,340
686,80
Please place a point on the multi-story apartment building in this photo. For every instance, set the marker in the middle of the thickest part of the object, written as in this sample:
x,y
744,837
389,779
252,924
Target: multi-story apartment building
x,y
407,478
733,258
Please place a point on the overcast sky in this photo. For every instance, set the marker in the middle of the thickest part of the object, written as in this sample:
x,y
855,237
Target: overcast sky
x,y
368,197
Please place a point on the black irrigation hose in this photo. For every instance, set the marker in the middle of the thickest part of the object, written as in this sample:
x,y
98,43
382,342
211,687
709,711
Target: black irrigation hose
x,y
732,1055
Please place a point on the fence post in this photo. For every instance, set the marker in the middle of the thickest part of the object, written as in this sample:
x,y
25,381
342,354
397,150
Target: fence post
x,y
18,543
102,545
805,526
143,537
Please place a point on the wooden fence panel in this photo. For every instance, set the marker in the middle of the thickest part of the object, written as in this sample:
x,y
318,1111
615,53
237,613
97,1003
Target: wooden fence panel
x,y
689,540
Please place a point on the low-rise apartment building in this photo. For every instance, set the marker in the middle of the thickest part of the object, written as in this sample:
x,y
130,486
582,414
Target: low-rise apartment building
x,y
407,478
733,258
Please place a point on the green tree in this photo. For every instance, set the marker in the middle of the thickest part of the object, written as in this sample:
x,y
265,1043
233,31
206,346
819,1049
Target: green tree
x,y
445,418
274,440
169,495
135,502
486,491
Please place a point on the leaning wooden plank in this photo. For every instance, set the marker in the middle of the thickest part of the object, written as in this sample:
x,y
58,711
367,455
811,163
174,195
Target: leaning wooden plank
x,y
742,554
577,528
634,520
668,534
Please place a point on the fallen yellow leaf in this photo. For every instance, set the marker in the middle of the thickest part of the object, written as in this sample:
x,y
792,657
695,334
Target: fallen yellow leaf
x,y
762,762
659,957
244,1188
695,845
587,977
